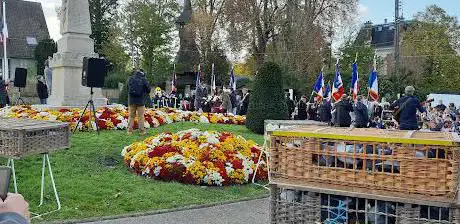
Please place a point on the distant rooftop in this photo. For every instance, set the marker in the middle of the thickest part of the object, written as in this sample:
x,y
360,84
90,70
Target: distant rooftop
x,y
381,35
26,26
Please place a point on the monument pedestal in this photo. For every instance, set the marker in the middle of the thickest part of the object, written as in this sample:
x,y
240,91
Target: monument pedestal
x,y
67,63
67,71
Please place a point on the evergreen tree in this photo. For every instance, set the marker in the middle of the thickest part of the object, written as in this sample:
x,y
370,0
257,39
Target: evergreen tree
x,y
267,101
44,49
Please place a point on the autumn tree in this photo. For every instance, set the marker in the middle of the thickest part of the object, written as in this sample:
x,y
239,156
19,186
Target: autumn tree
x,y
429,52
257,23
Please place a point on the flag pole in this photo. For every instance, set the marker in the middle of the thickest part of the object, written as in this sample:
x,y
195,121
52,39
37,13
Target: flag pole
x,y
356,57
5,57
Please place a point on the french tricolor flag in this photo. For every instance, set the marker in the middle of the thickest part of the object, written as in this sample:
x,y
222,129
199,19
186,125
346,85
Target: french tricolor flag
x,y
374,85
355,82
373,88
337,88
318,88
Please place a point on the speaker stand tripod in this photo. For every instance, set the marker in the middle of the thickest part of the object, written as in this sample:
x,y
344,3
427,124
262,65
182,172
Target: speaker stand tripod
x,y
19,99
92,113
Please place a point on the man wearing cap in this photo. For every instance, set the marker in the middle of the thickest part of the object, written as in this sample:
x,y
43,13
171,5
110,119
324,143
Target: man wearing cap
x,y
407,107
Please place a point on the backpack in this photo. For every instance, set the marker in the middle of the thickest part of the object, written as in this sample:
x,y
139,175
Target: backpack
x,y
136,86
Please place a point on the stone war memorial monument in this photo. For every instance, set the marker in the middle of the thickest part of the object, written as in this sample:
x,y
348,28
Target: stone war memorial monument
x,y
67,63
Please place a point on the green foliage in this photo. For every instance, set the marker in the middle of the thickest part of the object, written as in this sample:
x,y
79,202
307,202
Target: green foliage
x,y
221,67
114,51
267,99
430,60
98,175
115,77
43,50
124,94
148,26
101,15
244,82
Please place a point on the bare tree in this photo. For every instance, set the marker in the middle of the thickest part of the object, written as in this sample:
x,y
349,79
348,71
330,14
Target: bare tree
x,y
254,24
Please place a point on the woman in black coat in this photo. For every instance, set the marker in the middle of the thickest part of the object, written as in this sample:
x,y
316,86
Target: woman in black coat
x,y
302,109
42,89
3,93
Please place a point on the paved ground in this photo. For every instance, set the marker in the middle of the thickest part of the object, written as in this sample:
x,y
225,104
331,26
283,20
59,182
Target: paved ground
x,y
254,212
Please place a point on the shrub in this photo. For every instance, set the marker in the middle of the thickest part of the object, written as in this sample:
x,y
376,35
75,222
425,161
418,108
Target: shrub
x,y
124,94
113,78
267,100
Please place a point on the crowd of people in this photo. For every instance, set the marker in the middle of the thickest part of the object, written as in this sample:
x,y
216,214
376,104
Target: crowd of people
x,y
224,100
407,113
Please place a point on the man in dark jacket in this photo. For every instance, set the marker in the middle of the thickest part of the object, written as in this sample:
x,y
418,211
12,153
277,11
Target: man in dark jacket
x,y
291,105
42,89
407,107
244,102
342,112
138,89
312,111
302,109
325,112
361,114
4,99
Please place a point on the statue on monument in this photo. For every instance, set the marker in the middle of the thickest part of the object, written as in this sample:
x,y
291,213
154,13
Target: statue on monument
x,y
67,62
62,15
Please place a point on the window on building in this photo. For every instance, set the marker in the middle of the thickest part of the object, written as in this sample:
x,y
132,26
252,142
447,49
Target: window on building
x,y
32,41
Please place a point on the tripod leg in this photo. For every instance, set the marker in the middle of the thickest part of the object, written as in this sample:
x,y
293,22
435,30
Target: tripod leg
x,y
81,116
94,114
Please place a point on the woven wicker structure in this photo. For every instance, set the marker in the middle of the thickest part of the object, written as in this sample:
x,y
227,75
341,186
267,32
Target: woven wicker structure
x,y
22,137
403,164
290,205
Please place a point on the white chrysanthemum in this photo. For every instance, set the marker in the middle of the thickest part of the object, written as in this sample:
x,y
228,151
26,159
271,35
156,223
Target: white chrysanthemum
x,y
133,160
229,168
175,159
146,171
43,114
125,150
156,171
213,178
146,124
93,124
203,119
123,124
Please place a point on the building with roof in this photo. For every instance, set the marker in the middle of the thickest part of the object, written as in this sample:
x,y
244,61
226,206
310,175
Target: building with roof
x,y
26,27
381,38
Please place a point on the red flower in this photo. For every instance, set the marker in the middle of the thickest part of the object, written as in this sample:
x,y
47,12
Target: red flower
x,y
159,119
161,150
237,164
64,110
101,124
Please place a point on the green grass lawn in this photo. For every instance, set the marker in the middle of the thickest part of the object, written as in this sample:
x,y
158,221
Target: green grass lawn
x,y
93,181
